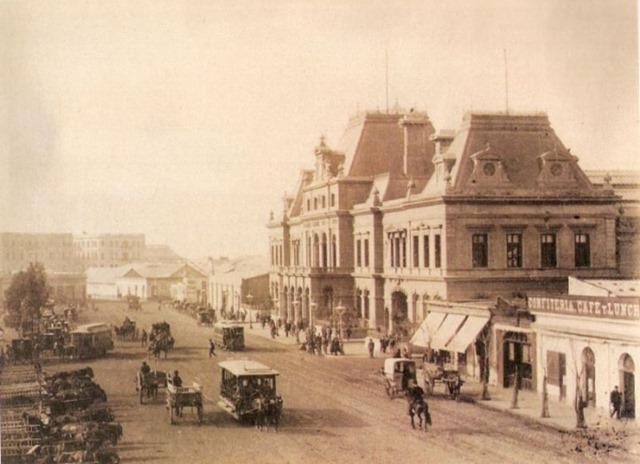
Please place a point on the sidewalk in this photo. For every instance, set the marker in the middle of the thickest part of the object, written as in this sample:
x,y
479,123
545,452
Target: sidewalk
x,y
563,416
354,347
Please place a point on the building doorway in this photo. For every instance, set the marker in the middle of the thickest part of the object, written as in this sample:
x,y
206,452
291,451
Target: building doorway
x,y
628,384
516,355
399,312
589,376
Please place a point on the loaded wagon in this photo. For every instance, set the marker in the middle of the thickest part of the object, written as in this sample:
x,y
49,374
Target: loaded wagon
x,y
443,373
147,385
180,397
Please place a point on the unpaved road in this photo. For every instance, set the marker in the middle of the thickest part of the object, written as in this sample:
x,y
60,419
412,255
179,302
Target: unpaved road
x,y
335,411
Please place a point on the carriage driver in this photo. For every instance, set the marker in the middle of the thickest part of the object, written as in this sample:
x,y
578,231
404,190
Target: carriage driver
x,y
145,369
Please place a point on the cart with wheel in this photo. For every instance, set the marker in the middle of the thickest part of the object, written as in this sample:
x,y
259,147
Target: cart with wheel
x,y
397,374
180,397
445,374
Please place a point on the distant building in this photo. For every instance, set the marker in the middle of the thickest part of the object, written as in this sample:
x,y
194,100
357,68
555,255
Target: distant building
x,y
54,251
239,282
109,250
148,281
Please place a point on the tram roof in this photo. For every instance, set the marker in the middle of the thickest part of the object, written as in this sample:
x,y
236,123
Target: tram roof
x,y
242,368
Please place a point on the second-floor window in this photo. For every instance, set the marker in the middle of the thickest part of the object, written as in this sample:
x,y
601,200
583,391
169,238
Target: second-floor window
x,y
548,250
333,200
366,252
308,204
437,251
416,251
582,250
324,205
514,250
425,251
358,254
479,250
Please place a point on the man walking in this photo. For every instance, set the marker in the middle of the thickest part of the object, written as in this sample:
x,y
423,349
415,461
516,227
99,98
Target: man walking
x,y
370,346
212,348
616,401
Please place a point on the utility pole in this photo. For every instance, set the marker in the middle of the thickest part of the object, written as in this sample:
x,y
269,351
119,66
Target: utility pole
x,y
386,78
506,82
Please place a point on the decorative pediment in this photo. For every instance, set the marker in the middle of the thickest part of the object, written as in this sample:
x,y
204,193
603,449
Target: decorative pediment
x,y
557,169
488,169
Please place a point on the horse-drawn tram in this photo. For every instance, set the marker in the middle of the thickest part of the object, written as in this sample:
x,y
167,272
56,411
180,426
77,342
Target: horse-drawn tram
x,y
229,336
91,340
248,392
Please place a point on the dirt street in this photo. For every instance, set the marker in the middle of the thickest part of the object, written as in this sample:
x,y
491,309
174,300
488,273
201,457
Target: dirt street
x,y
335,410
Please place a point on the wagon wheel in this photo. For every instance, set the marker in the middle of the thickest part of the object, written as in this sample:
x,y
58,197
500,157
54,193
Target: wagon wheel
x,y
388,388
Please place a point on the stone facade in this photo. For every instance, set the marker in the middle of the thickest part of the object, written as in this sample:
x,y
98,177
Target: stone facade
x,y
109,250
54,251
399,216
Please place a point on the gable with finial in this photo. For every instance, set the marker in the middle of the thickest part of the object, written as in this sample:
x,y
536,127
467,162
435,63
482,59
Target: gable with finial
x,y
488,169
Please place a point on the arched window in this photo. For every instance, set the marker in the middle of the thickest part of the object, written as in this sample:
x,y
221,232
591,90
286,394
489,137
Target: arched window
x,y
627,386
334,252
589,376
324,250
366,304
316,251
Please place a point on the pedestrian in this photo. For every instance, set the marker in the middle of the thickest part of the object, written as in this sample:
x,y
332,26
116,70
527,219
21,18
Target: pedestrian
x,y
616,401
212,348
143,338
370,347
348,332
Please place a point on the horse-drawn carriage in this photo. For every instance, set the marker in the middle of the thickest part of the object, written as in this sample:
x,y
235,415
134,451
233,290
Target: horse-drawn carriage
x,y
229,336
133,303
397,374
445,374
20,350
160,339
205,317
179,398
127,331
248,392
147,385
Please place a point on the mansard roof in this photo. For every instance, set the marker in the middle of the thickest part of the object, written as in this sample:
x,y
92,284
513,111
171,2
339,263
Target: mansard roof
x,y
373,143
523,149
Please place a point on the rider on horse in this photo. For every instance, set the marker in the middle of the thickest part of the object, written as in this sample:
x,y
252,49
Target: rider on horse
x,y
415,394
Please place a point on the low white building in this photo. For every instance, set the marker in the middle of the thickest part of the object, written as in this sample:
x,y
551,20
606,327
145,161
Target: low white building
x,y
101,282
589,339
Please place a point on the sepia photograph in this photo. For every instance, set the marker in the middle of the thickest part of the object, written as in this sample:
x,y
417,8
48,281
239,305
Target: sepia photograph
x,y
319,231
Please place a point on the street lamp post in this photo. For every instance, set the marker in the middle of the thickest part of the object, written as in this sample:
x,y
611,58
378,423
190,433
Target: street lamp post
x,y
249,299
340,310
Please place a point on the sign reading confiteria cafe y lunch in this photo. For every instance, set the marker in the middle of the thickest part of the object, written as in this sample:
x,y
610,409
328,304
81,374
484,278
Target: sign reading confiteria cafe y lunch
x,y
611,308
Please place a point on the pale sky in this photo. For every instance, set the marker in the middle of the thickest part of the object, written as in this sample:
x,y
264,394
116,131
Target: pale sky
x,y
187,120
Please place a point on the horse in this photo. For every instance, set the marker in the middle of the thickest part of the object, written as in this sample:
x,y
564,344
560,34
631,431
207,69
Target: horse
x,y
418,407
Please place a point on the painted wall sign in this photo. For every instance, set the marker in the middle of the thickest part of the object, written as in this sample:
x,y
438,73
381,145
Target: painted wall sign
x,y
592,307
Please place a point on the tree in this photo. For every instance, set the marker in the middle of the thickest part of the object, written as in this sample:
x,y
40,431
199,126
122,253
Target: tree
x,y
482,350
27,293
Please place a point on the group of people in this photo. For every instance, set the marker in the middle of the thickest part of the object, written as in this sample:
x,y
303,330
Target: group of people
x,y
326,342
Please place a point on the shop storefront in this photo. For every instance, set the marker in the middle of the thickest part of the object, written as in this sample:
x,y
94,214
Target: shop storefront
x,y
588,343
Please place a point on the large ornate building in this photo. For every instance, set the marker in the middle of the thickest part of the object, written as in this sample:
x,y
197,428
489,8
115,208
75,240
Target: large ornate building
x,y
398,215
